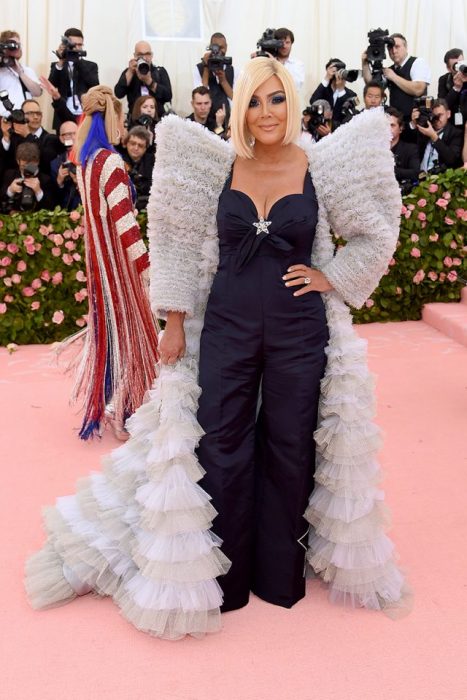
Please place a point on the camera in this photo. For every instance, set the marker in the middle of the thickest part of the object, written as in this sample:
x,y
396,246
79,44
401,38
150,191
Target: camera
x,y
317,119
145,120
461,67
16,116
142,66
71,167
424,106
69,51
349,109
10,45
376,52
216,60
27,199
350,75
268,44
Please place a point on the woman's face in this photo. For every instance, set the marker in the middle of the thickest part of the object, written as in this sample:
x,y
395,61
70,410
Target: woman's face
x,y
148,107
266,116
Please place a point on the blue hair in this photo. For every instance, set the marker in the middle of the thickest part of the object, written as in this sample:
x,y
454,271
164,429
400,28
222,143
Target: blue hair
x,y
96,138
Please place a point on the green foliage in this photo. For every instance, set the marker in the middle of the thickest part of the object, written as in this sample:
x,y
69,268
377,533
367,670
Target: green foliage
x,y
43,282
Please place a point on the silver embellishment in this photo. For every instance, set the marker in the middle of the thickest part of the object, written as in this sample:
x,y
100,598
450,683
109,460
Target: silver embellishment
x,y
262,226
306,280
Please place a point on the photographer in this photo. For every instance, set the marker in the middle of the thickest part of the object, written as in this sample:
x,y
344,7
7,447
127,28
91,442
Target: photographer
x,y
406,158
439,143
63,171
295,67
333,90
203,113
374,95
19,81
139,162
144,113
317,120
143,78
72,74
25,188
216,75
452,86
407,78
25,125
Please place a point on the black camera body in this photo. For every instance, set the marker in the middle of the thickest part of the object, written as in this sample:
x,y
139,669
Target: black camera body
x,y
145,120
70,52
461,67
350,109
424,106
27,199
317,118
10,45
216,60
376,52
16,116
142,66
71,167
269,44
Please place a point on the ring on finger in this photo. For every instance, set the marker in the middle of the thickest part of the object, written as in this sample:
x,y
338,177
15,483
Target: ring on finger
x,y
306,280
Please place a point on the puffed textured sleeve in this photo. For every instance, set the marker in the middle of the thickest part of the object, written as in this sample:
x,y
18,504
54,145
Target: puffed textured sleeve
x,y
353,174
191,166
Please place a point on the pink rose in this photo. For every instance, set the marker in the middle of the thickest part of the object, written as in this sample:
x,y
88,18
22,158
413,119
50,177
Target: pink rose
x,y
57,278
21,266
28,292
67,233
442,276
421,203
76,256
403,209
45,275
58,317
2,272
5,261
369,303
408,214
3,308
56,252
75,235
22,227
415,252
433,236
442,202
37,246
16,279
448,221
44,230
447,261
452,276
29,240
57,238
418,277
35,305
81,295
80,276
421,216
459,214
75,215
398,290
69,245
433,276
447,195
453,245
79,231
392,262
414,237
36,284
8,298
12,248
80,322
411,207
67,259
456,261
30,250
7,282
2,245
433,188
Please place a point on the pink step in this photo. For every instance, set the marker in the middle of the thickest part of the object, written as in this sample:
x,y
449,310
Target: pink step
x,y
450,319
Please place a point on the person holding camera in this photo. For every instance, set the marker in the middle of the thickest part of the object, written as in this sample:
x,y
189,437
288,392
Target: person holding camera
x,y
25,188
203,112
63,171
439,143
216,72
406,158
295,67
139,161
333,89
20,82
452,86
144,114
142,77
317,120
72,74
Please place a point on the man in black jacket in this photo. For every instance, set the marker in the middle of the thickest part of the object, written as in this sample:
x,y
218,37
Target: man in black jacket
x,y
143,78
452,86
439,143
72,74
406,158
220,80
333,90
24,188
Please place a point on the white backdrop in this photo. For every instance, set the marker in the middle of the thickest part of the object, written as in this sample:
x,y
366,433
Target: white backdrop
x,y
322,28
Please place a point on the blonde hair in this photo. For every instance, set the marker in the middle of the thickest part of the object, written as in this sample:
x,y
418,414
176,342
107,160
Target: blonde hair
x,y
256,72
99,99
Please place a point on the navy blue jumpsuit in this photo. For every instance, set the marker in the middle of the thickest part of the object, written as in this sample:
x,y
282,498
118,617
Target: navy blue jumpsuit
x,y
258,339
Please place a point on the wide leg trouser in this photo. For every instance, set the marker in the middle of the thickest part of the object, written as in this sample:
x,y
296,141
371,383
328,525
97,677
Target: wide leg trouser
x,y
259,468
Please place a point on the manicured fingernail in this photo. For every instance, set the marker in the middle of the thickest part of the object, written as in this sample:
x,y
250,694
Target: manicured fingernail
x,y
284,277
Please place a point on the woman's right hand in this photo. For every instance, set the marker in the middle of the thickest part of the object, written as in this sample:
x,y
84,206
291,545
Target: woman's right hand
x,y
172,345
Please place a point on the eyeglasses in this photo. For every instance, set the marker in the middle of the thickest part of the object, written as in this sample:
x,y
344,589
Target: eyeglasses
x,y
67,135
147,54
33,114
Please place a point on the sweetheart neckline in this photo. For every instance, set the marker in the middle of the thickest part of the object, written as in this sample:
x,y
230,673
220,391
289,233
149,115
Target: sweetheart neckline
x,y
292,194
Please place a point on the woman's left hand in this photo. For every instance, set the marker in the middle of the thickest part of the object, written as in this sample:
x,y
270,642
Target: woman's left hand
x,y
309,279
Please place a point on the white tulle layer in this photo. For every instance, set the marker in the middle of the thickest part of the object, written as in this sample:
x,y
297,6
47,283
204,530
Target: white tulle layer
x,y
140,530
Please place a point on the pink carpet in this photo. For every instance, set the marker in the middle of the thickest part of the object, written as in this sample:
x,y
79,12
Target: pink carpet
x,y
314,651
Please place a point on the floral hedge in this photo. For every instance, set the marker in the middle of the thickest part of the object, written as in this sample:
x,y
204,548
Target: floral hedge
x,y
43,283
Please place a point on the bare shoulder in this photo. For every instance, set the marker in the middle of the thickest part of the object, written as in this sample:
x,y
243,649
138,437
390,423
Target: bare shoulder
x,y
297,155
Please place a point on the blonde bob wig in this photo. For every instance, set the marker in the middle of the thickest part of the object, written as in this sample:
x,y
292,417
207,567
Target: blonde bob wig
x,y
256,72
